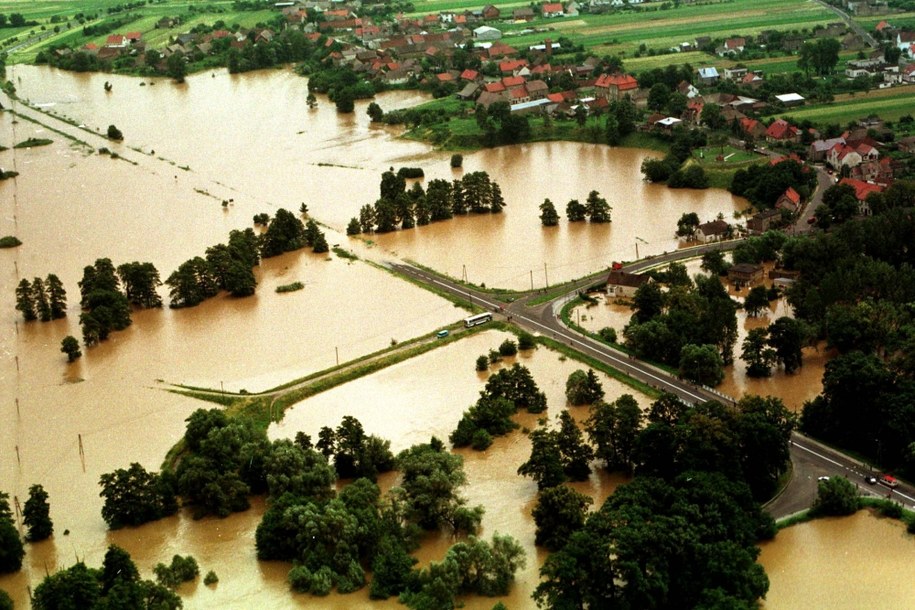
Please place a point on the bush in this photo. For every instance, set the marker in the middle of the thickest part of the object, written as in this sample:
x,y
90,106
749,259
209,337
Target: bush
x,y
607,334
410,172
526,341
482,363
290,287
508,348
457,160
181,570
888,508
494,356
114,133
481,440
9,241
835,497
210,578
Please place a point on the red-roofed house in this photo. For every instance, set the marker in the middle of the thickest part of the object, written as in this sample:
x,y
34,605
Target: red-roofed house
x,y
782,131
519,95
509,66
470,75
556,98
843,154
513,81
552,9
752,127
615,86
133,36
862,192
116,41
496,87
499,49
789,200
445,77
881,26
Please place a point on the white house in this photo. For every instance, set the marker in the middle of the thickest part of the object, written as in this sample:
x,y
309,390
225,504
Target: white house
x,y
485,32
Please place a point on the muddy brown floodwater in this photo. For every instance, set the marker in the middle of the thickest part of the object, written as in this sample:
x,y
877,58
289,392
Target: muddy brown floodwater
x,y
250,140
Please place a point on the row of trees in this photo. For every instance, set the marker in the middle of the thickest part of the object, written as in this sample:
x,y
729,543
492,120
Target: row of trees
x,y
105,306
442,200
595,209
43,300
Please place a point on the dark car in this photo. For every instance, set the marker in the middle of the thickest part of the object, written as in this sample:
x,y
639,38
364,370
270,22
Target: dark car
x,y
870,479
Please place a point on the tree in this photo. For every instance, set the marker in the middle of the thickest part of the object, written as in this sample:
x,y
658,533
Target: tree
x,y
430,484
114,133
583,388
176,67
598,209
688,225
375,112
548,215
40,297
613,429
575,211
344,100
836,496
545,464
841,204
25,300
713,262
70,346
353,228
285,233
576,454
701,364
36,515
57,297
788,336
140,281
711,116
135,496
648,302
559,513
658,96
192,283
757,353
11,549
756,301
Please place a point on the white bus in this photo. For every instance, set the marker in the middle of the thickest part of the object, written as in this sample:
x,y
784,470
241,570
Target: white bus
x,y
480,318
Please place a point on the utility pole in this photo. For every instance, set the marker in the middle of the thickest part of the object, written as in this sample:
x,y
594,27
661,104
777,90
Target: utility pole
x,y
546,278
532,280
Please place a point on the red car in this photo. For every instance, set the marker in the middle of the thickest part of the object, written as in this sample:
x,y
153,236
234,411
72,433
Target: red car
x,y
812,220
888,480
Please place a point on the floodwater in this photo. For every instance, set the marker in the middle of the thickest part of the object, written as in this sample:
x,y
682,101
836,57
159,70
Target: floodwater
x,y
250,140
794,389
846,563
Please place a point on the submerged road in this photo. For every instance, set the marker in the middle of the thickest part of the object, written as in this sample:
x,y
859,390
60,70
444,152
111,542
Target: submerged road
x,y
810,459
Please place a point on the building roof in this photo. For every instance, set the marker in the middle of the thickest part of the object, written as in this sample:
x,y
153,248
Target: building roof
x,y
710,72
788,98
623,82
715,227
624,278
469,74
792,195
552,7
780,129
862,189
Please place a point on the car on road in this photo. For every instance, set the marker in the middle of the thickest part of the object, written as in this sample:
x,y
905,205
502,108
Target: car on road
x,y
888,480
822,479
812,220
441,334
870,479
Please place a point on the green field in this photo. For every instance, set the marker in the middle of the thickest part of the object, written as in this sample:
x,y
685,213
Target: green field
x,y
889,104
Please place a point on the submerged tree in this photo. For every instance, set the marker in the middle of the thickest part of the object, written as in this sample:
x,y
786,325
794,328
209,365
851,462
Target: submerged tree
x,y
36,515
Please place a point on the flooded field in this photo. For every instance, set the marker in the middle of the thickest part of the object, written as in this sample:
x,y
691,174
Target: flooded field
x,y
843,563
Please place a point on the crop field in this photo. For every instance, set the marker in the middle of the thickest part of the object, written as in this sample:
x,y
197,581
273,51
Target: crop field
x,y
889,104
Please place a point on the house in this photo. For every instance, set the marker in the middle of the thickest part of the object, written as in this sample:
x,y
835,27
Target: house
x,y
863,190
763,221
623,284
752,80
843,155
782,131
552,9
470,91
485,32
713,231
819,149
116,41
905,41
732,46
789,200
491,12
614,86
708,76
735,73
687,89
745,274
907,144
523,14
752,127
537,89
908,73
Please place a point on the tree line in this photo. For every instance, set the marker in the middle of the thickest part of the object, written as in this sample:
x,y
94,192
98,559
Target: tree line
x,y
108,293
43,300
36,516
595,209
398,207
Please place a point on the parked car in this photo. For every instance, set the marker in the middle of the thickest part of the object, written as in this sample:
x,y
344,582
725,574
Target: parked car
x,y
812,220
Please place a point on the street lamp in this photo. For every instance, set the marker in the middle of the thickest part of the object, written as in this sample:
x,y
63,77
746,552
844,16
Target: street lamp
x,y
637,240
